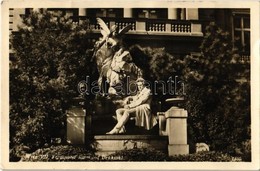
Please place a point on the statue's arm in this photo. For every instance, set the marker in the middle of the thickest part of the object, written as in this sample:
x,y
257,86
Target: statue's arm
x,y
127,99
141,100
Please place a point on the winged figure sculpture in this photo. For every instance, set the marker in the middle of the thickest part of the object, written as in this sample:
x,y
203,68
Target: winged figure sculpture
x,y
113,35
113,63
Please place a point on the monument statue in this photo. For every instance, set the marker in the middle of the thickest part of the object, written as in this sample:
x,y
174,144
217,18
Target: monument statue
x,y
117,70
114,61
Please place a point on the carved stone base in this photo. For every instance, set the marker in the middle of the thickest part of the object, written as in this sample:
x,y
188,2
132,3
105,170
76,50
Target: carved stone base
x,y
108,144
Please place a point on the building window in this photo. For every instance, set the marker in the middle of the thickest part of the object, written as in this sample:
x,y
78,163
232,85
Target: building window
x,y
241,32
153,13
105,12
207,14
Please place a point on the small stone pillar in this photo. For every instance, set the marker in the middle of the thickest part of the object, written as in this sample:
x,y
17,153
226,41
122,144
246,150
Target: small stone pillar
x,y
76,125
176,125
162,124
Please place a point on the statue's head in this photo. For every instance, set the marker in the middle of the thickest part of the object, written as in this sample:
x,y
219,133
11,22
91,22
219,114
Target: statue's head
x,y
140,83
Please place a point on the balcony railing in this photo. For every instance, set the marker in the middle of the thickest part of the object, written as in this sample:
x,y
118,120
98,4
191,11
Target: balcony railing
x,y
121,25
181,28
155,26
245,58
151,26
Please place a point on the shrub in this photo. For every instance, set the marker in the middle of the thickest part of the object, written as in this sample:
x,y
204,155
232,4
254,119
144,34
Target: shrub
x,y
144,154
205,156
17,152
246,151
49,59
139,154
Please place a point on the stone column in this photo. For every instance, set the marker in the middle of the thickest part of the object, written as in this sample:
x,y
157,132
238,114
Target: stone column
x,y
128,13
176,126
76,125
172,13
82,12
183,14
192,14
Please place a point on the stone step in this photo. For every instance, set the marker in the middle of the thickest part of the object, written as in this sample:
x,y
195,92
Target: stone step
x,y
108,144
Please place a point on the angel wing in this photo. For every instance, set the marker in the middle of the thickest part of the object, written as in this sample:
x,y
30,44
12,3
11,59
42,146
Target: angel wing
x,y
105,30
124,30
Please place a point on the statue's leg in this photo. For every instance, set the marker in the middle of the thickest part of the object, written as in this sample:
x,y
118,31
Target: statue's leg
x,y
119,114
122,121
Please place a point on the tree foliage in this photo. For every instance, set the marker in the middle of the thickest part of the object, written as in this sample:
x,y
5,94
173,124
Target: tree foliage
x,y
50,57
217,102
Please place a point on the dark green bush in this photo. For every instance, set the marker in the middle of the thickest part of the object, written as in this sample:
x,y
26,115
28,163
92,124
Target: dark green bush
x,y
49,59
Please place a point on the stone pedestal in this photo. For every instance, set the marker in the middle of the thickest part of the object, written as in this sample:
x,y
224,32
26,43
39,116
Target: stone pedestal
x,y
176,126
76,125
108,144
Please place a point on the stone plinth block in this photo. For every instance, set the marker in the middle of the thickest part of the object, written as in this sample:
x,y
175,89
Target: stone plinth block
x,y
76,125
178,149
108,144
176,126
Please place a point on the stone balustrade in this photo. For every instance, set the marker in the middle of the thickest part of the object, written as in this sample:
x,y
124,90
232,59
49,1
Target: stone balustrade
x,y
184,28
121,25
151,26
155,26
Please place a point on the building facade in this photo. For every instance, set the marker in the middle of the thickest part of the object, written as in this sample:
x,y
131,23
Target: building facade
x,y
178,30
